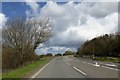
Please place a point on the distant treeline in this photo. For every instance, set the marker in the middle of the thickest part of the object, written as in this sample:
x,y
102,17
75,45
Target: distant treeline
x,y
46,55
106,45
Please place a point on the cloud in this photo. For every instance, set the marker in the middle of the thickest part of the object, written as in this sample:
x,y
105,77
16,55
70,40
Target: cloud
x,y
53,49
3,20
102,9
76,23
34,7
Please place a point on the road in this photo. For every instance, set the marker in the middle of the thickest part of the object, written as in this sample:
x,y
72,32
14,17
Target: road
x,y
71,67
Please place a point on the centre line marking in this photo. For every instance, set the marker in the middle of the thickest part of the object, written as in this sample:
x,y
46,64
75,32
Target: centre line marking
x,y
79,71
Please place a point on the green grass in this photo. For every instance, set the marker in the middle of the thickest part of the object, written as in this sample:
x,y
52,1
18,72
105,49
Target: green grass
x,y
25,70
108,59
0,76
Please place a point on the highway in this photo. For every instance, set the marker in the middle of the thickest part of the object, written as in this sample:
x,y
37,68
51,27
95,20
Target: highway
x,y
71,67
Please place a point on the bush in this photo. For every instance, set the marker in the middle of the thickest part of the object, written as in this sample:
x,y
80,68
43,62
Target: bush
x,y
49,54
58,54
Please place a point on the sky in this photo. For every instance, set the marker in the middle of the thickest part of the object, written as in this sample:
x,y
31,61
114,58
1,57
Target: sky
x,y
74,22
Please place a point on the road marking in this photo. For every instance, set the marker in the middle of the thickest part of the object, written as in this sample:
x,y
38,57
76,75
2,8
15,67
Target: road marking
x,y
110,64
41,69
91,64
96,64
110,68
68,64
79,71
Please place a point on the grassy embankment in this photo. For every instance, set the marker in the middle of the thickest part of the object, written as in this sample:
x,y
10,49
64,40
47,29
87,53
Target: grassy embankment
x,y
28,69
104,59
108,59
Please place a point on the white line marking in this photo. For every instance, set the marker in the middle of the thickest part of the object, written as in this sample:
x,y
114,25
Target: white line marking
x,y
79,71
68,64
110,68
41,69
90,64
110,64
96,64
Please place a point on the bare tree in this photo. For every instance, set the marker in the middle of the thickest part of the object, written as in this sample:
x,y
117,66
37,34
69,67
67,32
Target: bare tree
x,y
24,36
40,31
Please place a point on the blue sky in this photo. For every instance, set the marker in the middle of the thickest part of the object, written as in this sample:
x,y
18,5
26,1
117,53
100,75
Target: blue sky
x,y
16,9
74,23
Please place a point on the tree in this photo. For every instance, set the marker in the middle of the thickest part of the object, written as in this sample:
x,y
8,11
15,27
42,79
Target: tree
x,y
68,53
58,54
106,45
24,36
49,54
42,55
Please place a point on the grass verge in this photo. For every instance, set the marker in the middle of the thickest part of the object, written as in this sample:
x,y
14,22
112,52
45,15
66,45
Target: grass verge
x,y
25,70
108,59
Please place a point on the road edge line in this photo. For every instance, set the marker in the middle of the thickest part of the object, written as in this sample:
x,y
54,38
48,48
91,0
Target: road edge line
x,y
42,69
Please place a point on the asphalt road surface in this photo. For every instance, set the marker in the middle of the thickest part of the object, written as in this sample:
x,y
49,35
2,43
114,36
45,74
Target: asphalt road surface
x,y
71,67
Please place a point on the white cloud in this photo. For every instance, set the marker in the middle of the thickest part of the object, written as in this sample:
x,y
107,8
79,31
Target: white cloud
x,y
53,49
102,9
3,20
91,28
75,23
34,7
